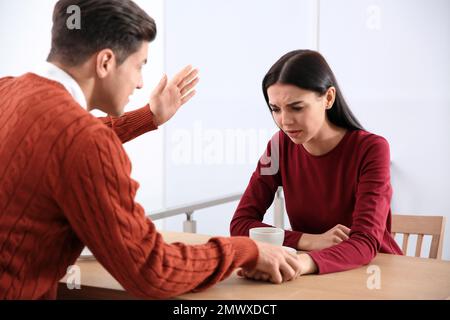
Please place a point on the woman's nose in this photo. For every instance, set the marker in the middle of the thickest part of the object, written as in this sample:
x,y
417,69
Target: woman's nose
x,y
286,119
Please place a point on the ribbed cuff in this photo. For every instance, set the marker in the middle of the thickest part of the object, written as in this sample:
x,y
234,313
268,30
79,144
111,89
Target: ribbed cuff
x,y
143,118
246,252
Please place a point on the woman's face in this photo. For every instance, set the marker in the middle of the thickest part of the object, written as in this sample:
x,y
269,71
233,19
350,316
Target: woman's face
x,y
298,112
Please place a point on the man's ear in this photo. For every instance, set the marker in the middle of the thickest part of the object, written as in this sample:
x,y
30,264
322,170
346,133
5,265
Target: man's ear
x,y
106,61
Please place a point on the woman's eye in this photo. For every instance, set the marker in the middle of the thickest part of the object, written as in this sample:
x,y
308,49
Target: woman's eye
x,y
275,110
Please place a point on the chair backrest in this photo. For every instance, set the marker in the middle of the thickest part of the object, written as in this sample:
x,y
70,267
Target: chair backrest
x,y
420,225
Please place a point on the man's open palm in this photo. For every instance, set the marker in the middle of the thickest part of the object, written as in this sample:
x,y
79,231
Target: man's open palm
x,y
169,96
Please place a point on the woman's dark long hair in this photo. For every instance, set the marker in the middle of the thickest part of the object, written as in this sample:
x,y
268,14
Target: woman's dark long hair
x,y
308,70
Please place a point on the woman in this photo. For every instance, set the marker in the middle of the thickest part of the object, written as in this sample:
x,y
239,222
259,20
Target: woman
x,y
335,175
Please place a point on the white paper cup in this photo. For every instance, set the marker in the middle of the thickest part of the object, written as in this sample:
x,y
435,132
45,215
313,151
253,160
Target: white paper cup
x,y
270,235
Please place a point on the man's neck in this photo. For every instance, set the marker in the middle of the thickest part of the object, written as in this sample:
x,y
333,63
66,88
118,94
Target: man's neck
x,y
80,76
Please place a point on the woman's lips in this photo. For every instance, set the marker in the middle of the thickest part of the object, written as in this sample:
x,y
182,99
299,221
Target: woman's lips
x,y
294,133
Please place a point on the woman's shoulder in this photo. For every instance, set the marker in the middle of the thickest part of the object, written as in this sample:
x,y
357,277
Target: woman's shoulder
x,y
369,144
366,139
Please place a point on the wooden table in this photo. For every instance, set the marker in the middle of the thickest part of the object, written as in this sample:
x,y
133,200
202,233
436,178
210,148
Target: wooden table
x,y
401,278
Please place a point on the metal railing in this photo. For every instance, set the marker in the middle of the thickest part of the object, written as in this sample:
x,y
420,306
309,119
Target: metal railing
x,y
190,225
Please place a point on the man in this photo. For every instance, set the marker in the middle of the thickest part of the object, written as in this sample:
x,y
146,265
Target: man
x,y
65,177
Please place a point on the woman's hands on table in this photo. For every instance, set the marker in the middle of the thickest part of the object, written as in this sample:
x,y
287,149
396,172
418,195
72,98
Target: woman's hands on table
x,y
334,236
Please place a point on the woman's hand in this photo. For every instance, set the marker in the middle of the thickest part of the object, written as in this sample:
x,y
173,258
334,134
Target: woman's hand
x,y
169,96
334,236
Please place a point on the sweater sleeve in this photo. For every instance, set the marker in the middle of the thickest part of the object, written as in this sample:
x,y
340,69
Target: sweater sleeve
x,y
97,195
259,196
131,124
372,207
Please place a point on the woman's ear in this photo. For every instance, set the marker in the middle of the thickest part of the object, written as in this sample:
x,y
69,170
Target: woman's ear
x,y
105,63
330,96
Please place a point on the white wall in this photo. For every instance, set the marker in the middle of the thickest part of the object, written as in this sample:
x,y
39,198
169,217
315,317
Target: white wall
x,y
25,34
213,144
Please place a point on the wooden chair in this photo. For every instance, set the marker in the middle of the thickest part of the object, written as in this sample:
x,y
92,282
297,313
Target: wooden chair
x,y
420,225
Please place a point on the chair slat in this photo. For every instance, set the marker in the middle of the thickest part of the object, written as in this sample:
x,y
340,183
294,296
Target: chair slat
x,y
419,244
420,225
405,243
434,247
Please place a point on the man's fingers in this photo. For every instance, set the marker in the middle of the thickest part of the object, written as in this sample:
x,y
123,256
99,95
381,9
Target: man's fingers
x,y
189,86
181,75
188,78
254,274
262,276
287,271
249,273
276,276
188,97
257,276
265,277
161,85
294,262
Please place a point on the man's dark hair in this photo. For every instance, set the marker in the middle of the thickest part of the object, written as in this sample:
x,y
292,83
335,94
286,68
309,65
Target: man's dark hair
x,y
119,25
